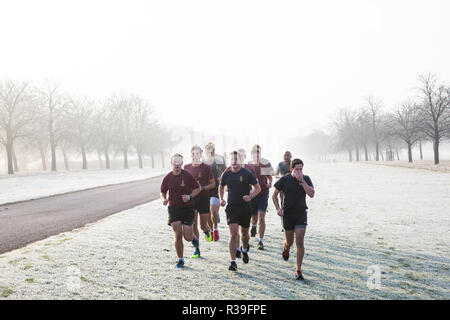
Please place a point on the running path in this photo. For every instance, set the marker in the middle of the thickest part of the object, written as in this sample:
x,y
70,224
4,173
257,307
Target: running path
x,y
29,221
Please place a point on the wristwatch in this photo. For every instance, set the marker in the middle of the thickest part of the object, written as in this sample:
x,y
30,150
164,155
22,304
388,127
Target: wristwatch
x,y
303,180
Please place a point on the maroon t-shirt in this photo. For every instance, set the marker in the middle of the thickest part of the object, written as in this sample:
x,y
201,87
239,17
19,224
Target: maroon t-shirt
x,y
202,174
262,178
177,185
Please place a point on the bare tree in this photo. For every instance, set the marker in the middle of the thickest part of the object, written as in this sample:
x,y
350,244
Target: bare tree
x,y
345,129
104,126
142,127
123,107
16,111
374,111
52,108
406,124
80,112
435,111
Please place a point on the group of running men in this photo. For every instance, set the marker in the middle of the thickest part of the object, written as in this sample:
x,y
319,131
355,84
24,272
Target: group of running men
x,y
197,191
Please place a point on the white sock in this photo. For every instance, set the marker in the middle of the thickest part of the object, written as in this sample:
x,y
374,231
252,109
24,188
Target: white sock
x,y
244,250
239,249
260,239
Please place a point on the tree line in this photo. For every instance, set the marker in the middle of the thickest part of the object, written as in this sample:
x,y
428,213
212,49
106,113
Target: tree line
x,y
44,119
373,130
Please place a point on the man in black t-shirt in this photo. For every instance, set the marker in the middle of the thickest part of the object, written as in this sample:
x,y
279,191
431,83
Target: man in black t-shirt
x,y
295,187
237,181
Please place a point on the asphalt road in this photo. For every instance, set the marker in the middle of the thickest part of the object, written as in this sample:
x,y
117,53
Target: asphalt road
x,y
25,222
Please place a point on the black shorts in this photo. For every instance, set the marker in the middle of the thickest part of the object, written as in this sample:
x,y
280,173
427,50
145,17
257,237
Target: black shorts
x,y
295,219
239,214
259,204
185,215
201,204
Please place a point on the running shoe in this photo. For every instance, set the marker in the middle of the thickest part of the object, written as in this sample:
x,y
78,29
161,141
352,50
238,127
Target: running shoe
x,y
260,246
299,275
216,235
196,253
238,254
245,256
180,264
208,236
253,231
233,266
285,254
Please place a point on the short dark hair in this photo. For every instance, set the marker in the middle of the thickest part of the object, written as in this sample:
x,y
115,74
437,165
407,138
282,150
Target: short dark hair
x,y
296,162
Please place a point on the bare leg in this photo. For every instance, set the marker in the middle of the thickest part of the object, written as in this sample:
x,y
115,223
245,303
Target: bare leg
x,y
299,241
178,233
245,237
262,224
234,237
288,238
214,216
195,225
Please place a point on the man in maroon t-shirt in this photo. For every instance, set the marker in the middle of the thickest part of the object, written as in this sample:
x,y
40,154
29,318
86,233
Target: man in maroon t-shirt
x,y
205,178
182,188
264,172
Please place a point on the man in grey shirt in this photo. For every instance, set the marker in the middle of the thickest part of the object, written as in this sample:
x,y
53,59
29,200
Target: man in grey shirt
x,y
283,168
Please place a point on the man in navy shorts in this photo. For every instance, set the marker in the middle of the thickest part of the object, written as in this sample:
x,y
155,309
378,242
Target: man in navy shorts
x,y
295,187
182,188
237,180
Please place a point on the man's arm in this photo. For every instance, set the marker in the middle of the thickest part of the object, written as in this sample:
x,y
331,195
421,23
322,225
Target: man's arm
x,y
211,185
255,191
221,193
276,192
196,192
163,196
188,197
269,178
308,189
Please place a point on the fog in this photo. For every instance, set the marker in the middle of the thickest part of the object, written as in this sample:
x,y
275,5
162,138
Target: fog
x,y
235,73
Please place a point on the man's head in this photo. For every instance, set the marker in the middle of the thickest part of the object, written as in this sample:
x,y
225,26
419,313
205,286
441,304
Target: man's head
x,y
242,156
176,161
196,154
210,150
235,161
296,167
256,153
287,157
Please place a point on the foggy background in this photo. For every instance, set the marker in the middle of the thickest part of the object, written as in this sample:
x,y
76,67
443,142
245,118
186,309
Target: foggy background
x,y
125,84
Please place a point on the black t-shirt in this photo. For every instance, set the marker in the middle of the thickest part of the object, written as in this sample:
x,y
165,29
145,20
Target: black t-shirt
x,y
237,183
294,194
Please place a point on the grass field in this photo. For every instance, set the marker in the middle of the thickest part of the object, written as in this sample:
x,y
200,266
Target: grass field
x,y
362,215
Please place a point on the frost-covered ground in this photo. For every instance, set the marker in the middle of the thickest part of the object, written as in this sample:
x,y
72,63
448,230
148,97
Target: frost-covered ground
x,y
443,166
362,215
33,186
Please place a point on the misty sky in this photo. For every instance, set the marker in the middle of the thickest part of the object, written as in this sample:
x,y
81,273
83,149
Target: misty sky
x,y
231,66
